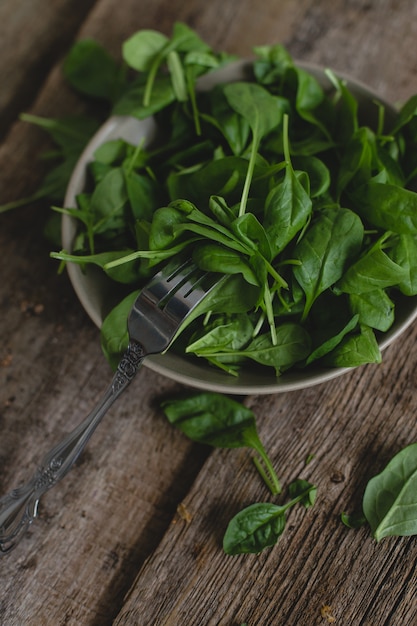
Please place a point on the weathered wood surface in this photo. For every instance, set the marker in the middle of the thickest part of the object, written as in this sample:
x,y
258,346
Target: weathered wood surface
x,y
109,546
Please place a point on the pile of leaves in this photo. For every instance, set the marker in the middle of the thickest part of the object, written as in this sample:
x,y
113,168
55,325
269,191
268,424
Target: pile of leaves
x,y
273,181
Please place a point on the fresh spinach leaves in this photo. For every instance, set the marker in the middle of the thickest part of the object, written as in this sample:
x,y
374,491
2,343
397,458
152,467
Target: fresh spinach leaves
x,y
275,182
219,421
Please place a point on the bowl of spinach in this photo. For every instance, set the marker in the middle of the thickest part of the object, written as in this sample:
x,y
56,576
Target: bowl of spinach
x,y
292,183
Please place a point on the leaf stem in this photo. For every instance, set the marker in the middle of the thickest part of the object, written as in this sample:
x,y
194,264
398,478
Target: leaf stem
x,y
248,179
266,470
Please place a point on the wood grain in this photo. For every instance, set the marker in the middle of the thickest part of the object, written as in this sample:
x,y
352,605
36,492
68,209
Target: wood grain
x,y
133,535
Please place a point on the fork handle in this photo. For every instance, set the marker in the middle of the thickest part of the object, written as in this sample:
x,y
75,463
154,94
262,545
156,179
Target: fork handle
x,y
19,508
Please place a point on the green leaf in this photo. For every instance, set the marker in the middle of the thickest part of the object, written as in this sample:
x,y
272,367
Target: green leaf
x,y
292,346
374,270
306,491
329,343
390,498
90,69
373,308
132,102
389,207
114,334
404,253
255,528
217,420
141,49
332,241
224,333
260,525
212,257
256,105
108,202
287,209
262,112
213,419
353,520
355,350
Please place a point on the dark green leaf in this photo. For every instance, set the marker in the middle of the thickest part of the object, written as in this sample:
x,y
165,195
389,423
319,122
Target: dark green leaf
x,y
255,528
390,498
114,335
355,350
90,69
332,241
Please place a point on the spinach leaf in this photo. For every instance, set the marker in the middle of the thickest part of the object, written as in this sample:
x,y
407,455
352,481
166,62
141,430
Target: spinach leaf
x,y
390,498
132,101
291,347
233,126
108,203
220,177
70,135
403,252
126,273
223,334
388,206
260,525
92,71
353,520
217,420
373,308
329,343
141,49
332,241
355,350
254,529
114,335
318,173
310,101
287,209
215,258
374,270
260,109
407,113
346,108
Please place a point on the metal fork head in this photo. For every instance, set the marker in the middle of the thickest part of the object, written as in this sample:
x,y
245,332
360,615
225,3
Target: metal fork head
x,y
165,302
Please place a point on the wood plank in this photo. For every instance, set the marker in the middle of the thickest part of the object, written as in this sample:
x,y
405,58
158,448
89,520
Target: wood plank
x,y
33,35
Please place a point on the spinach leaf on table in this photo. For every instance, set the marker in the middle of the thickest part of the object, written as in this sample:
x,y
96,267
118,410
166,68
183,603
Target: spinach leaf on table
x,y
389,502
390,498
217,420
260,525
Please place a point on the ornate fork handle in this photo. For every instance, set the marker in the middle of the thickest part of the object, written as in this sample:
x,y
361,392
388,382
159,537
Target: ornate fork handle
x,y
19,508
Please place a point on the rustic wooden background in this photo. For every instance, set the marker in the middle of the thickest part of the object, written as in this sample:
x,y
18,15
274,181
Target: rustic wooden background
x,y
133,535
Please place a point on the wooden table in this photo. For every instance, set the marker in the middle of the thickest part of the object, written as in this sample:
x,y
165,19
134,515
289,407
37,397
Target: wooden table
x,y
133,535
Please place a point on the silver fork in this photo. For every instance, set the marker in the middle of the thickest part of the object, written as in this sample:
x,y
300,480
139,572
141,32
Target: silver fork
x,y
156,315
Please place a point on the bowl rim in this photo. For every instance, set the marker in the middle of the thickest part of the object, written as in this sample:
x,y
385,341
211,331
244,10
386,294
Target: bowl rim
x,y
178,368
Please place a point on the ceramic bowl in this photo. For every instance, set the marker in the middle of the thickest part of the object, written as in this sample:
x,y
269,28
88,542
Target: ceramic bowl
x,y
98,295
